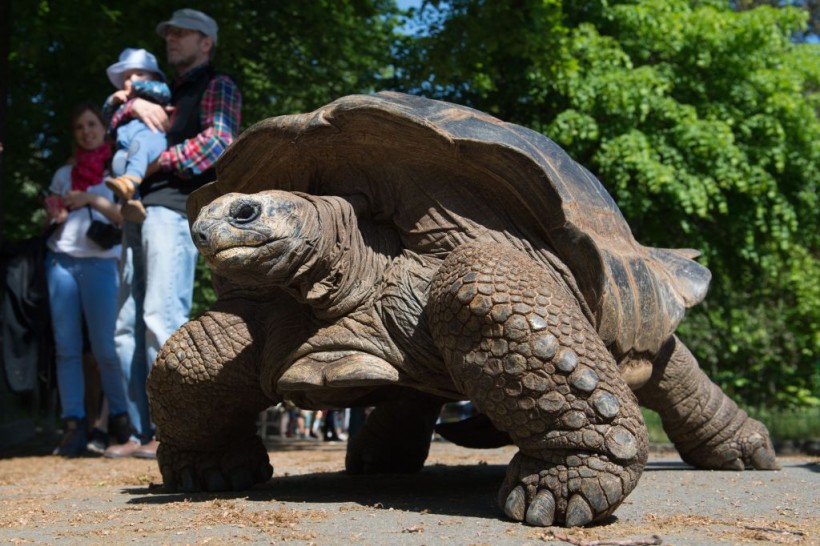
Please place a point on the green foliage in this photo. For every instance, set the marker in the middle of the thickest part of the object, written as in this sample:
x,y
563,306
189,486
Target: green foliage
x,y
204,293
702,122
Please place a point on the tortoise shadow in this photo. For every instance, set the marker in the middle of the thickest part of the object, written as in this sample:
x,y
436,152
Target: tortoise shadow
x,y
463,490
456,490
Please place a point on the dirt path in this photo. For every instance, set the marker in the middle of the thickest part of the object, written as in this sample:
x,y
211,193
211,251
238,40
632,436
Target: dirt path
x,y
47,500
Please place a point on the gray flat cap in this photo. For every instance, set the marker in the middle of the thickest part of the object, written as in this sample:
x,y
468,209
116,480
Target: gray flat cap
x,y
190,19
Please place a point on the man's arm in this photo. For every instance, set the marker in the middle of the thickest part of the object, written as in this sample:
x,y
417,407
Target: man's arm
x,y
220,115
153,115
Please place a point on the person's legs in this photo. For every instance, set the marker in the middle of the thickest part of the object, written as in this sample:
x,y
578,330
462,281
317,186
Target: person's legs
x,y
64,301
170,264
164,265
98,281
66,318
129,337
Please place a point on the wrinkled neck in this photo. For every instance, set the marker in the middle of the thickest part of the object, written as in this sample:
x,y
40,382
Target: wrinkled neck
x,y
341,270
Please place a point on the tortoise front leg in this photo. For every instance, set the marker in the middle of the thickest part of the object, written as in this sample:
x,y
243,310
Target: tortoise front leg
x,y
205,395
706,426
516,342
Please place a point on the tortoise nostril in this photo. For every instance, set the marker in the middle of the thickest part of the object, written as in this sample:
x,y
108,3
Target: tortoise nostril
x,y
199,231
243,212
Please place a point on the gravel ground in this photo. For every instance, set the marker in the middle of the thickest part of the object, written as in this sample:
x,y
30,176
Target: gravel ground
x,y
48,500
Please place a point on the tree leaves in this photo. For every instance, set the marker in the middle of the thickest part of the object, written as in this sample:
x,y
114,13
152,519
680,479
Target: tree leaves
x,y
702,122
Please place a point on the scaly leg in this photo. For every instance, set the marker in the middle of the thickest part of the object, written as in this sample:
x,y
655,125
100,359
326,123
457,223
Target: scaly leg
x,y
205,395
396,436
706,426
517,343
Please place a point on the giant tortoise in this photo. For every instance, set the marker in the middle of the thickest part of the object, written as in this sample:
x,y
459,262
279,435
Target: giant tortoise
x,y
399,252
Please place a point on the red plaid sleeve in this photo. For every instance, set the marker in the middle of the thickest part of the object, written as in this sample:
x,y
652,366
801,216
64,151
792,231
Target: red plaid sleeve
x,y
220,115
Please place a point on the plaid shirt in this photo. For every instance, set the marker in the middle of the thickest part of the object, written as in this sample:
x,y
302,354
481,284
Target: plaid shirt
x,y
219,115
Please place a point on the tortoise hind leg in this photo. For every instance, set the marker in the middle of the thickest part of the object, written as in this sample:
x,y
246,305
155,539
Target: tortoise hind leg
x,y
517,343
706,426
396,436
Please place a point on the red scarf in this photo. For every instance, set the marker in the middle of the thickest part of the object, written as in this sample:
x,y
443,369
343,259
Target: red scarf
x,y
89,167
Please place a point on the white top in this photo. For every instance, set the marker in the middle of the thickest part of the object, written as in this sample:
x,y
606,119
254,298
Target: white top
x,y
70,237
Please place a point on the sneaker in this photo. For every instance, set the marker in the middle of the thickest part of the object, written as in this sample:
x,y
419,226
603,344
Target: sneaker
x,y
123,186
98,441
119,451
147,451
75,438
133,211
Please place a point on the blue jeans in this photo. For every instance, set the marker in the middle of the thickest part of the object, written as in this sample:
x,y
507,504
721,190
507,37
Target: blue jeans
x,y
77,288
156,290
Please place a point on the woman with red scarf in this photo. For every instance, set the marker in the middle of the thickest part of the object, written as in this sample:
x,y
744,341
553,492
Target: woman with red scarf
x,y
83,282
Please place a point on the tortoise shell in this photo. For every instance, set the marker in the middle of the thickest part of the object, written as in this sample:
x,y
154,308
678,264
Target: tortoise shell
x,y
442,175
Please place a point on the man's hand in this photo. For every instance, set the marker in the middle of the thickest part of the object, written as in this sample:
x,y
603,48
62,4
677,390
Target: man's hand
x,y
152,115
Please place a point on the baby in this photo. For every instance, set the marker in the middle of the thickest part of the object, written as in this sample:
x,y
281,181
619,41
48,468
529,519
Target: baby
x,y
136,74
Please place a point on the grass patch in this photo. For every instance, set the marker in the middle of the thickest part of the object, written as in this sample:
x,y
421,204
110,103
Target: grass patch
x,y
653,425
793,424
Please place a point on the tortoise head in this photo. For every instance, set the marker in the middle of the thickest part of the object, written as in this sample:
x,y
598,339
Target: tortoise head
x,y
265,237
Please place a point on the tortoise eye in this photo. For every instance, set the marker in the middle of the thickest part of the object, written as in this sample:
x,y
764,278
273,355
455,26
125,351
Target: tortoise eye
x,y
244,212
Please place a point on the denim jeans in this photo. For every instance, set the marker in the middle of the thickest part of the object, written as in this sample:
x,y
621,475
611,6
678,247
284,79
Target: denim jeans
x,y
84,288
142,144
156,290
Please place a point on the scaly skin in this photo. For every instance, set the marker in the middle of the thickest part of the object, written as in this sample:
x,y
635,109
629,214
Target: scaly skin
x,y
706,426
205,396
396,437
516,342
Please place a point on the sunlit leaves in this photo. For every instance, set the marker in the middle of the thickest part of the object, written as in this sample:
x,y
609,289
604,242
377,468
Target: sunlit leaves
x,y
702,122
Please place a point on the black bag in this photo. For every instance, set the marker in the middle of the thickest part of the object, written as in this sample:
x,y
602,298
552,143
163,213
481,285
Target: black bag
x,y
104,234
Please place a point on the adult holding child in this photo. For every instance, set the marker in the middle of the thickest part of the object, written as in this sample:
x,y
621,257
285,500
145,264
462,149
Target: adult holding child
x,y
83,279
135,75
159,257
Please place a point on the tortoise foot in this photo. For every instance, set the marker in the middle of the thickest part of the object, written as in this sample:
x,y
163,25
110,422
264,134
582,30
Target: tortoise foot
x,y
241,466
749,447
396,437
577,491
709,430
369,454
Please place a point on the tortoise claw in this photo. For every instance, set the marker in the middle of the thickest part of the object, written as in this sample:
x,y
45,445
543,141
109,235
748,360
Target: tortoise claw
x,y
264,472
763,459
188,480
541,512
516,504
241,467
214,480
241,478
579,512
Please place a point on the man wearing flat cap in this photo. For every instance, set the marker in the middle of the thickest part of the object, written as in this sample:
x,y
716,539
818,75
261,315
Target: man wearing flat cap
x,y
159,257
